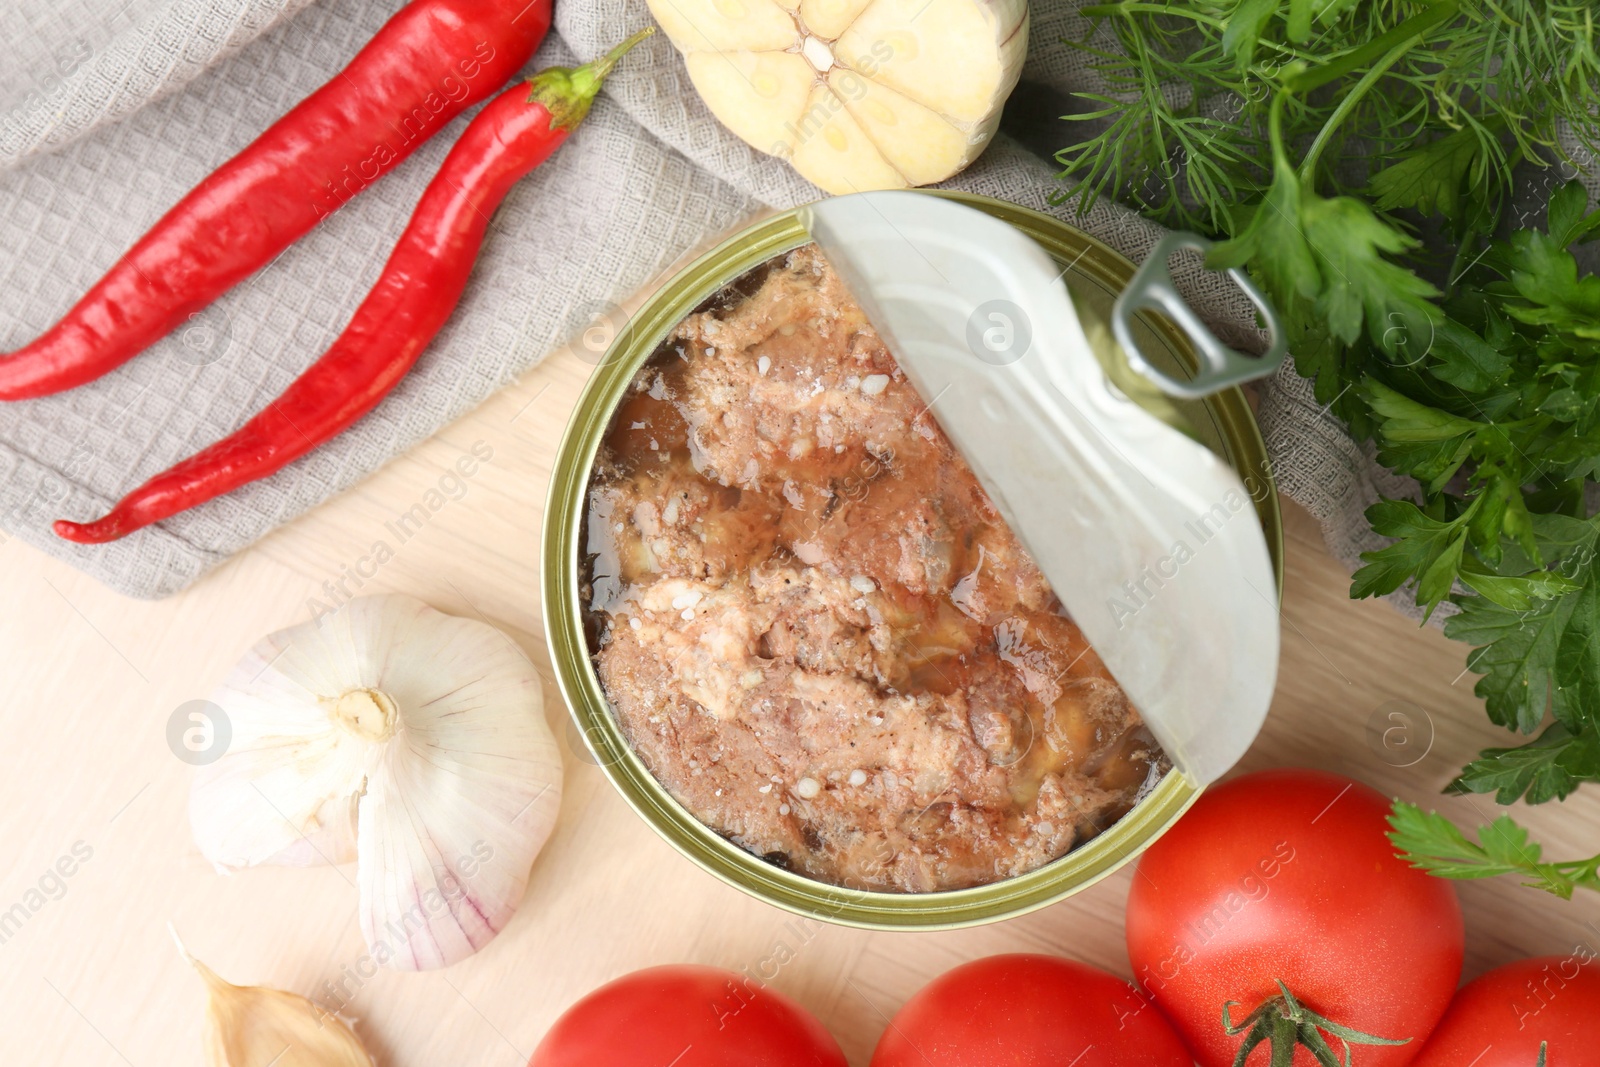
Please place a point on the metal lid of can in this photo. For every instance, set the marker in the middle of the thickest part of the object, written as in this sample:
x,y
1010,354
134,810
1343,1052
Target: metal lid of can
x,y
1135,524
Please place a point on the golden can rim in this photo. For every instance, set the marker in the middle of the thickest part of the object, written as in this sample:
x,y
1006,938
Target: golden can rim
x,y
1238,436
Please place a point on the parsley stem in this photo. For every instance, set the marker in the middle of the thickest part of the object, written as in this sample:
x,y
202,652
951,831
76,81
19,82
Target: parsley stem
x,y
1280,154
1399,41
1347,105
1132,7
1407,33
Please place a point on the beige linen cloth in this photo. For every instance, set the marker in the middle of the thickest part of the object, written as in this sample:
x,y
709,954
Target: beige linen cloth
x,y
109,112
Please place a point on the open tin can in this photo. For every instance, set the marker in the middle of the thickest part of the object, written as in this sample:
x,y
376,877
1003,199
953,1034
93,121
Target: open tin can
x,y
1095,275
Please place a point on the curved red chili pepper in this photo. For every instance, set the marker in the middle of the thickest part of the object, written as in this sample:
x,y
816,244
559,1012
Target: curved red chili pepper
x,y
413,297
428,63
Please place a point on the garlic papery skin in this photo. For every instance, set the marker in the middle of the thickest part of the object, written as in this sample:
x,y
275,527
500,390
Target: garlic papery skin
x,y
250,1026
411,741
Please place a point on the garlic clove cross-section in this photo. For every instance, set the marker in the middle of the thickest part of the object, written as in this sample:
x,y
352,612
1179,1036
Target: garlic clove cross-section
x,y
411,741
855,94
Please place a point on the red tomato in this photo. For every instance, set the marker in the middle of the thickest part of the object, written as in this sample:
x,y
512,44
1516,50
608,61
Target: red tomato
x,y
1029,1011
687,1017
1500,1018
1286,875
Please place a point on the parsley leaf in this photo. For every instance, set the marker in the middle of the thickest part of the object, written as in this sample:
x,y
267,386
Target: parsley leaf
x,y
1517,592
1431,842
1568,219
1361,285
1465,360
1330,251
1569,541
1429,179
1545,274
1515,653
1243,31
1415,439
1426,549
1576,699
1272,240
1548,768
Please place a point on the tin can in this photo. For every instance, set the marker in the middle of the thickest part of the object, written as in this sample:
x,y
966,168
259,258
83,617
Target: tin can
x,y
1095,275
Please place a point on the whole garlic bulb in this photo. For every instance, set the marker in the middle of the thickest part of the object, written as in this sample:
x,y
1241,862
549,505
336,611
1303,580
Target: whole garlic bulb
x,y
411,741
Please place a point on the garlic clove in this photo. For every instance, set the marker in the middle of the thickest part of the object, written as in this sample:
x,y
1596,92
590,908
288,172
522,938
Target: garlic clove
x,y
830,18
916,141
724,26
924,43
419,737
776,86
838,155
248,1026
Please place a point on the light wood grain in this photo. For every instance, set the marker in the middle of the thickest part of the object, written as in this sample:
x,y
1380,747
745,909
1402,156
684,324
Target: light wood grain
x,y
90,680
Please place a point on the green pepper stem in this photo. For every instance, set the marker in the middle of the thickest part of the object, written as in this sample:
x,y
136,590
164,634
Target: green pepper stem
x,y
601,67
568,92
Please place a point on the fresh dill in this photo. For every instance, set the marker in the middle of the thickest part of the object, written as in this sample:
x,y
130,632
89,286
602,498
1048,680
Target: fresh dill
x,y
1460,93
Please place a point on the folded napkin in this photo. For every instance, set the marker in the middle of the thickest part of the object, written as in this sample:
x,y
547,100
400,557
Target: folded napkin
x,y
110,113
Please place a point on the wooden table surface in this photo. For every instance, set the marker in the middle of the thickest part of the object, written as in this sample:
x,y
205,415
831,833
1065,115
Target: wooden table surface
x,y
90,679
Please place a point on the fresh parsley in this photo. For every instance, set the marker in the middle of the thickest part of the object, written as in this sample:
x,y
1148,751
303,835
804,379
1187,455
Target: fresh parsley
x,y
1431,842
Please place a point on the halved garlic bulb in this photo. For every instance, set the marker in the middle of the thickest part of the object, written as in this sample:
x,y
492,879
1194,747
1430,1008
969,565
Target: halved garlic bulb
x,y
411,741
856,94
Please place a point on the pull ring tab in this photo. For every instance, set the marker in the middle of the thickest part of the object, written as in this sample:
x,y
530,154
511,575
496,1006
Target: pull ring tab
x,y
1221,367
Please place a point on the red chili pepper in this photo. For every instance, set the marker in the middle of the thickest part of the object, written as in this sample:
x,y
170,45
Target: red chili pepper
x,y
415,294
427,64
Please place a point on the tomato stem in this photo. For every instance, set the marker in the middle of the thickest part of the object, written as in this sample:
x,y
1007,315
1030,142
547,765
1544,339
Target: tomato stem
x,y
1286,1024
